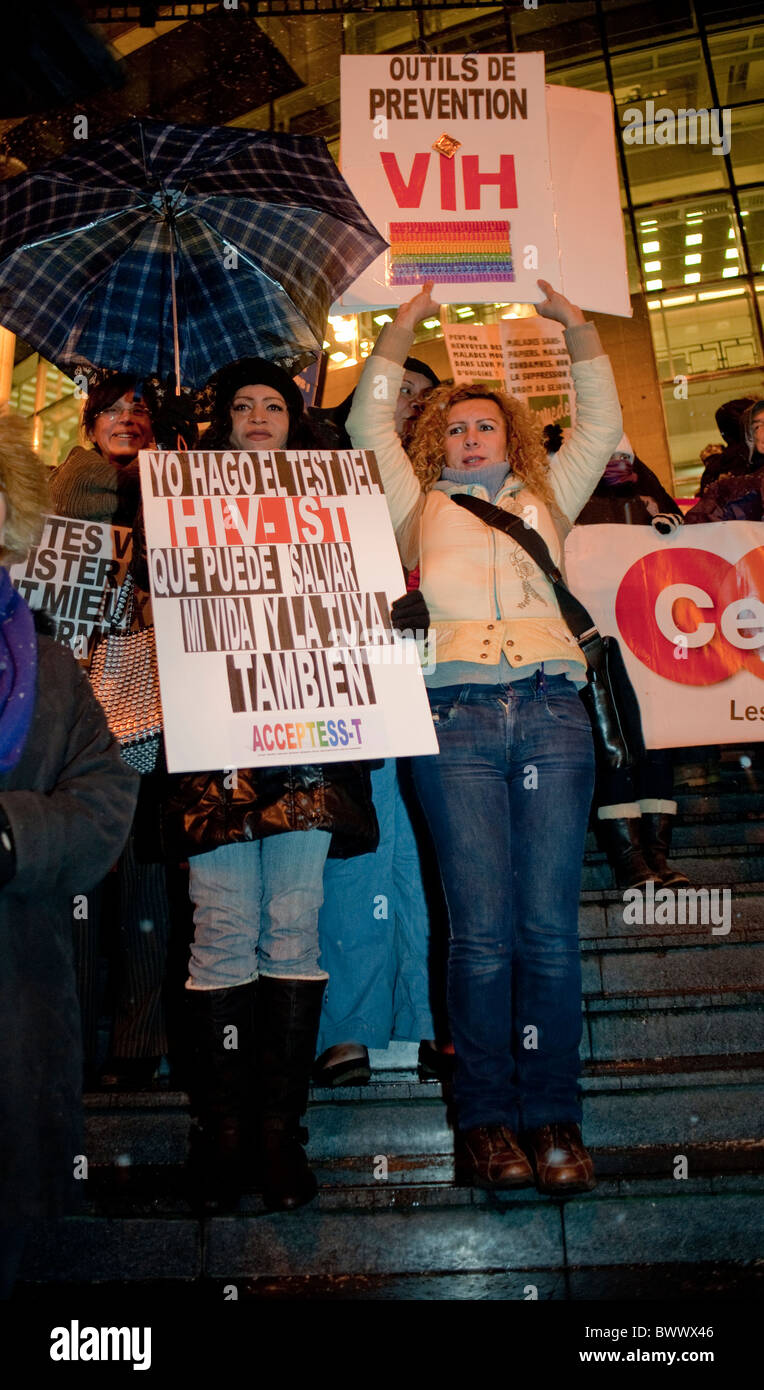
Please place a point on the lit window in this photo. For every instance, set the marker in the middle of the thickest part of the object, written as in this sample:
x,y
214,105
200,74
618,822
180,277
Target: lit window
x,y
693,260
729,270
652,265
694,240
338,356
431,323
382,318
654,285
650,246
690,279
731,254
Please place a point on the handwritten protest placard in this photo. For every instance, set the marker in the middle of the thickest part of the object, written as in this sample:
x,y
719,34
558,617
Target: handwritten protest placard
x,y
73,575
537,368
475,353
272,576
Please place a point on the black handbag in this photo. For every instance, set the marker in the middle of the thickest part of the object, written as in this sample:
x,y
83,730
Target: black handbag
x,y
609,696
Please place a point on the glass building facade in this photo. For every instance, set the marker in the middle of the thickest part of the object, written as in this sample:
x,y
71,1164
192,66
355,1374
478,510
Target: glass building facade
x,y
694,218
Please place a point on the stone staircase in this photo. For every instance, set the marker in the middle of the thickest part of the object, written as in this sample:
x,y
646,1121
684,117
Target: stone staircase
x,y
673,1055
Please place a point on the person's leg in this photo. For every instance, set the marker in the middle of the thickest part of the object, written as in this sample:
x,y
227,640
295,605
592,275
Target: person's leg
x,y
655,789
619,827
551,789
291,989
550,796
413,1018
139,1030
225,887
464,795
356,927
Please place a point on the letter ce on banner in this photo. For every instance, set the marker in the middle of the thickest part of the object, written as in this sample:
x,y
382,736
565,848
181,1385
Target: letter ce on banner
x,y
689,613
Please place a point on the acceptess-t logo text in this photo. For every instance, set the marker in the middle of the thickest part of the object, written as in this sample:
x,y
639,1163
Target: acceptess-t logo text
x,y
692,616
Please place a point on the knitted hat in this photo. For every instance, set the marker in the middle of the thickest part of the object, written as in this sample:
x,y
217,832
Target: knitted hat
x,y
413,364
250,371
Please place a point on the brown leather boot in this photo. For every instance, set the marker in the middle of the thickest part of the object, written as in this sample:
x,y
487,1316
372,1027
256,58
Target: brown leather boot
x,y
492,1157
560,1161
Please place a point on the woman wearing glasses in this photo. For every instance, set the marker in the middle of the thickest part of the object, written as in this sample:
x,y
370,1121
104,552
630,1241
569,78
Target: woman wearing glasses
x,y
100,482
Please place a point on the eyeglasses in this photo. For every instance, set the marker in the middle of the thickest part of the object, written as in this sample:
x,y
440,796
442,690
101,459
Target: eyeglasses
x,y
113,412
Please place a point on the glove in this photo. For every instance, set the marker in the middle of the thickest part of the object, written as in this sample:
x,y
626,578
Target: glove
x,y
411,614
176,419
666,522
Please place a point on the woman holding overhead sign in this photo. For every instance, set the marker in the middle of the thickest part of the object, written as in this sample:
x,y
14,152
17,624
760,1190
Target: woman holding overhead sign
x,y
507,798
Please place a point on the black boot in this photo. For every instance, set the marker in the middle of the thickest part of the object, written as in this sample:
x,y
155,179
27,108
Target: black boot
x,y
622,845
222,1094
288,1017
656,845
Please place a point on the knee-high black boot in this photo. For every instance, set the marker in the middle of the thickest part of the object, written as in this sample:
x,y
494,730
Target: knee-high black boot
x,y
656,843
222,1094
289,1012
621,842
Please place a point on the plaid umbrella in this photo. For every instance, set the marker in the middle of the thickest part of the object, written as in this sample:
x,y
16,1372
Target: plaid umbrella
x,y
253,233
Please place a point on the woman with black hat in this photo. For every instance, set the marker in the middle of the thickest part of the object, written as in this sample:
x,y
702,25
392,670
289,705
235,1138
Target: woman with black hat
x,y
257,841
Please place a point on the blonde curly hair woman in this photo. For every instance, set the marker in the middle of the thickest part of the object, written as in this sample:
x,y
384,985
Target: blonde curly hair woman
x,y
507,798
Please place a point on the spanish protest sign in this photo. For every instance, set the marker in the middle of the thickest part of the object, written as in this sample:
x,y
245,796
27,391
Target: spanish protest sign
x,y
272,576
688,610
462,162
73,575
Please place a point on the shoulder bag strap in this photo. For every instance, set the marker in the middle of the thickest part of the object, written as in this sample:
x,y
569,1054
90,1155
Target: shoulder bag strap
x,y
578,618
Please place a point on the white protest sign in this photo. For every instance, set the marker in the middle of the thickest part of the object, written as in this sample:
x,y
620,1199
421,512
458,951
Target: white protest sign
x,y
449,157
587,200
689,614
475,353
452,154
272,575
536,368
73,574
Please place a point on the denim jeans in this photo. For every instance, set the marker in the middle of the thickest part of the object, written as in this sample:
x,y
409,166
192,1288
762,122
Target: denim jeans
x,y
507,801
374,934
256,910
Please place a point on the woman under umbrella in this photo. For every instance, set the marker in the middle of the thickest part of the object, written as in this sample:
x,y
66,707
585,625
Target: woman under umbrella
x,y
257,841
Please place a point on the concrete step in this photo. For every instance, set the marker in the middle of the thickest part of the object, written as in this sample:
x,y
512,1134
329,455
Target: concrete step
x,y
676,969
654,1028
623,1110
605,917
739,864
415,1230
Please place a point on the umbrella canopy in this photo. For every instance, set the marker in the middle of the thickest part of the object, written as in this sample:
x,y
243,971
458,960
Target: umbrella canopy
x,y
257,232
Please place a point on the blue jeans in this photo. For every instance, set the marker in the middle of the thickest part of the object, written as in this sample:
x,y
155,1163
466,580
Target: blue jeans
x,y
256,910
507,801
374,934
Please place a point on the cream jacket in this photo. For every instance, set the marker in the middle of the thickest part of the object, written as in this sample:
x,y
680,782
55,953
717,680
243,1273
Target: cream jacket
x,y
484,592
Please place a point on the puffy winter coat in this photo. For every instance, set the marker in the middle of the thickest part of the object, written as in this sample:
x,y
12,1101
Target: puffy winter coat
x,y
188,813
69,803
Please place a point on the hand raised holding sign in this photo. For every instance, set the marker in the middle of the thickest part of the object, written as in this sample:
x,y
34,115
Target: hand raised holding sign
x,y
421,307
557,307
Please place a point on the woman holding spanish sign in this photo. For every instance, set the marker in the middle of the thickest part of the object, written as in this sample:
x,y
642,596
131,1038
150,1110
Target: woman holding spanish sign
x,y
257,841
508,796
